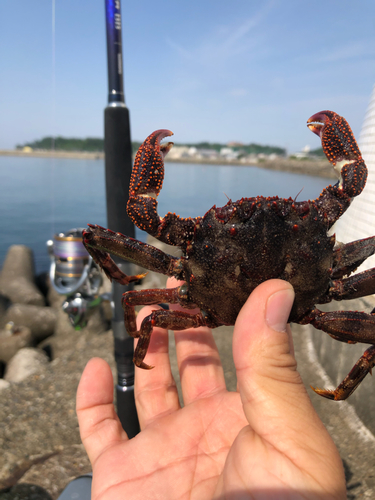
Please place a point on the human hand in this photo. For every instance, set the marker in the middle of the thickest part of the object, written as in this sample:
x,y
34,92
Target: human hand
x,y
264,441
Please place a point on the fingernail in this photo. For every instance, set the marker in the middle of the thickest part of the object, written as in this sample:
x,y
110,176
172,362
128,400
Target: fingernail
x,y
278,309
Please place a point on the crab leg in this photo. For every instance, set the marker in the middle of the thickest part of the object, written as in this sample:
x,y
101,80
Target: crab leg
x,y
350,327
341,149
172,320
348,257
145,185
134,298
358,285
99,241
350,383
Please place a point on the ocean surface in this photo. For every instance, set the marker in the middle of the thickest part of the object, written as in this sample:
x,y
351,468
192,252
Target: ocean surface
x,y
43,196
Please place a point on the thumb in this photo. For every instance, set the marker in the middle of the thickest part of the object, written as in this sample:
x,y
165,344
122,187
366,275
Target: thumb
x,y
267,376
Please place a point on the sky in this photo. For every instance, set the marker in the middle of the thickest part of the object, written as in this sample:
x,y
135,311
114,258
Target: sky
x,y
242,70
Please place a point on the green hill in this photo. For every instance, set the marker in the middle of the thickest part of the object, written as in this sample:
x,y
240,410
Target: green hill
x,y
96,144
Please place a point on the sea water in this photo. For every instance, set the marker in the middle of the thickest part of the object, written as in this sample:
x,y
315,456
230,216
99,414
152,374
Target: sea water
x,y
43,196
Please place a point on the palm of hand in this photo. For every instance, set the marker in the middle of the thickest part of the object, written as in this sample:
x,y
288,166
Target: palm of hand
x,y
184,451
264,441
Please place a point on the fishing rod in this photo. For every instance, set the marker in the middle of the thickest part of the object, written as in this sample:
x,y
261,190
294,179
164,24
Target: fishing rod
x,y
118,167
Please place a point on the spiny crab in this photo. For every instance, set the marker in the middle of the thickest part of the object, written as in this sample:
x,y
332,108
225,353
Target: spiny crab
x,y
232,249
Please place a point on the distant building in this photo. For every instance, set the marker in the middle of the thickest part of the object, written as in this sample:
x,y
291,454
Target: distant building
x,y
210,154
304,153
229,153
178,152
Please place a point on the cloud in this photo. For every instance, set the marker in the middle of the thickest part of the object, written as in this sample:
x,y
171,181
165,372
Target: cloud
x,y
227,41
184,53
239,33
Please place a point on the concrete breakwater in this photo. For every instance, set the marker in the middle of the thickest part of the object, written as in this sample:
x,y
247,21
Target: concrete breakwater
x,y
319,168
41,360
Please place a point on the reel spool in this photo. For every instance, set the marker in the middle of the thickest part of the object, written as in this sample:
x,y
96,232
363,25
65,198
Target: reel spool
x,y
74,273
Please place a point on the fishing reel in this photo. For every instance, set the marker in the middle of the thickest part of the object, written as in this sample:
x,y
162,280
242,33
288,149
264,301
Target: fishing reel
x,y
74,273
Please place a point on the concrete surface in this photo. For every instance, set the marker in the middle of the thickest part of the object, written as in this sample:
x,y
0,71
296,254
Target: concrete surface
x,y
338,358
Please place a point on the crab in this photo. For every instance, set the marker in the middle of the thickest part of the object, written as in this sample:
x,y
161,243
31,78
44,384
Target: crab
x,y
231,249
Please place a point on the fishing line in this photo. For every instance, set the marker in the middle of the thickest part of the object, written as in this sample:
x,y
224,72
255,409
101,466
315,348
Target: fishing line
x,y
53,120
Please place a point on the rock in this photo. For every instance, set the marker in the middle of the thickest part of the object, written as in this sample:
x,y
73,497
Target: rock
x,y
11,341
42,282
19,262
40,320
54,473
25,492
66,335
4,384
106,308
63,325
53,297
17,277
22,291
23,364
106,288
4,305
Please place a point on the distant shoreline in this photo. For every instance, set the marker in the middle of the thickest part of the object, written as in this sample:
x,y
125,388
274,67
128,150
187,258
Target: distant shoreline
x,y
74,155
316,168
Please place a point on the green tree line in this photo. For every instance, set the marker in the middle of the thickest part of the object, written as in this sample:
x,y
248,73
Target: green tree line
x,y
95,144
91,144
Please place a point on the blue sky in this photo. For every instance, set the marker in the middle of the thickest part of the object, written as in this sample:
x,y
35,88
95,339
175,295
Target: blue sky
x,y
250,71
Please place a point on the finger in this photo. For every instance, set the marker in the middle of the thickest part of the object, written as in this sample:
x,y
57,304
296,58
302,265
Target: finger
x,y
98,422
155,390
274,398
198,359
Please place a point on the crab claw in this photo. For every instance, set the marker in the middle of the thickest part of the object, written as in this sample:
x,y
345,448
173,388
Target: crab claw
x,y
337,138
146,181
341,150
148,170
316,122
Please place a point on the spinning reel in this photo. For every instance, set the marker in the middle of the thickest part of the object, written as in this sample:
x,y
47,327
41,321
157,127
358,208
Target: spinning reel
x,y
74,273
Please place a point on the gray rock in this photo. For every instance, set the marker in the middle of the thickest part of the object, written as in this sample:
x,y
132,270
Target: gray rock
x,y
19,262
4,384
25,492
106,288
22,291
4,305
54,473
40,320
12,340
63,325
24,363
54,298
66,335
96,321
17,277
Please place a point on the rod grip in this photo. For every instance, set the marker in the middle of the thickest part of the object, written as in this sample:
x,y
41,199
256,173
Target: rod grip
x,y
118,167
127,411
